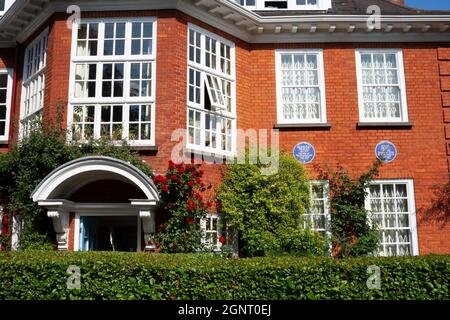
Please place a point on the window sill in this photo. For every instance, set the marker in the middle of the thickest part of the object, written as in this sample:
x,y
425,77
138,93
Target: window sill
x,y
208,156
384,125
303,126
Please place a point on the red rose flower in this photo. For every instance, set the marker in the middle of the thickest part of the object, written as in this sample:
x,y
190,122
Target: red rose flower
x,y
198,180
170,205
174,178
165,188
202,205
222,239
188,167
191,183
171,164
180,170
209,204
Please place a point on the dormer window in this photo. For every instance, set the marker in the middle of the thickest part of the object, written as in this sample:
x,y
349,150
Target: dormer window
x,y
246,3
275,4
285,4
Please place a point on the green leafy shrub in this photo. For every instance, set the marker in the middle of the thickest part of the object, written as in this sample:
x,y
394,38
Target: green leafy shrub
x,y
43,275
181,191
352,233
266,210
30,161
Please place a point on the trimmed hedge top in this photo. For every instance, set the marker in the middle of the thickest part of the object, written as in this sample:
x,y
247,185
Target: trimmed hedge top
x,y
43,275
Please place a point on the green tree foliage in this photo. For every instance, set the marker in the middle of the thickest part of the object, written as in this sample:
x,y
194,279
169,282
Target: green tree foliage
x,y
266,210
30,161
352,233
181,190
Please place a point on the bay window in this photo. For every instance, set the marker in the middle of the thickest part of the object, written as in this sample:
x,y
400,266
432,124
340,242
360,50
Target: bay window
x,y
392,209
300,87
211,109
381,85
33,85
112,92
6,83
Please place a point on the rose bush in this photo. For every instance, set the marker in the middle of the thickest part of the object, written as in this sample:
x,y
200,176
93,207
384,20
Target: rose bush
x,y
182,194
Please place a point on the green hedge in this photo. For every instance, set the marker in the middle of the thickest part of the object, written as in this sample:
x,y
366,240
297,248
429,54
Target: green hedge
x,y
42,275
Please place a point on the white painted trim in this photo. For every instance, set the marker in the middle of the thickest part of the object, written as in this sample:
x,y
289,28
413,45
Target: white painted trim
x,y
5,138
94,164
401,79
411,208
321,81
253,18
7,5
127,59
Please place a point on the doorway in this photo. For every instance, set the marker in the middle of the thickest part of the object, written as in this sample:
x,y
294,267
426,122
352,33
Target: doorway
x,y
109,233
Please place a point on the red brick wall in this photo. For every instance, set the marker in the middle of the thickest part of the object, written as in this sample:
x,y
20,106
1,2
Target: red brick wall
x,y
421,150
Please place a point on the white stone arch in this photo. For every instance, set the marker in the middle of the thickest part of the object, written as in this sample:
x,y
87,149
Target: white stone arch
x,y
77,173
54,190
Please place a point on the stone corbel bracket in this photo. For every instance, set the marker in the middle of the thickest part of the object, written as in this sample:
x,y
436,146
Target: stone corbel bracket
x,y
58,211
147,214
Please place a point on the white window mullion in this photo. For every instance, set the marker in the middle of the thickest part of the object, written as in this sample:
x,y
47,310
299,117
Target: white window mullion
x,y
97,121
101,40
125,120
128,33
126,81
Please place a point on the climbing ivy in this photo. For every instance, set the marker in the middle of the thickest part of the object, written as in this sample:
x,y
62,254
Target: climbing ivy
x,y
352,233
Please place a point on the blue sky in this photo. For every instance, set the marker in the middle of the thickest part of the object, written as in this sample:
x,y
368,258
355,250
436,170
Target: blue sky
x,y
429,4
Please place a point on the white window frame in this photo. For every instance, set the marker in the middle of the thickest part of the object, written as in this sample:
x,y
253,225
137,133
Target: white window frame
x,y
9,86
30,81
217,246
127,59
326,199
411,209
401,79
321,84
220,112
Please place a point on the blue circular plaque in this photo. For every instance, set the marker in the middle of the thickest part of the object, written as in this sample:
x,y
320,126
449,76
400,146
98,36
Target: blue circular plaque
x,y
304,152
386,151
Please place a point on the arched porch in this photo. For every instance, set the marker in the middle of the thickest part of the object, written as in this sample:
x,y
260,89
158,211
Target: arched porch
x,y
89,196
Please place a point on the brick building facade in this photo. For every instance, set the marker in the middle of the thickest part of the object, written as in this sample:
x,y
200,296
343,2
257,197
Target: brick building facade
x,y
250,37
